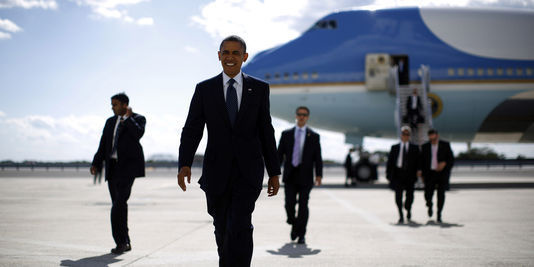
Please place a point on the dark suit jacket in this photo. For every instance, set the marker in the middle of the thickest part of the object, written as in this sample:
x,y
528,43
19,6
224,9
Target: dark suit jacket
x,y
311,156
249,143
131,160
413,165
444,154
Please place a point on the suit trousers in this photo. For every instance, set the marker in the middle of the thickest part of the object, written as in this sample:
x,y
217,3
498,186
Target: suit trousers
x,y
293,189
439,181
403,184
232,218
119,189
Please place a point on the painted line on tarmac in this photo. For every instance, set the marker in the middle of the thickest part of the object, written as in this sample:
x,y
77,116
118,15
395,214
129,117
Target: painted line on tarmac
x,y
370,218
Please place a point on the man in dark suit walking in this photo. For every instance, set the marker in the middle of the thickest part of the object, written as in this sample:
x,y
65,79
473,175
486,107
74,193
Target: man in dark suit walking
x,y
402,170
123,154
437,164
300,151
235,109
414,109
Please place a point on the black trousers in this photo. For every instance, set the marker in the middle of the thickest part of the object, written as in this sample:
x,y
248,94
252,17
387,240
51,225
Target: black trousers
x,y
232,218
436,181
403,183
292,189
119,189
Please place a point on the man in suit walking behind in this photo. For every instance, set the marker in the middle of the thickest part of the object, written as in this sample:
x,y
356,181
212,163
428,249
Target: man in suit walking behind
x,y
235,109
437,164
123,154
300,151
401,171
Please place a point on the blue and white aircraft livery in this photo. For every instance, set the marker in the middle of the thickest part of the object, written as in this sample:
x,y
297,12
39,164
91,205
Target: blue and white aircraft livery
x,y
481,65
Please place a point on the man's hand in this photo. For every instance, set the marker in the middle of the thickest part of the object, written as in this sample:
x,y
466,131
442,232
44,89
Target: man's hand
x,y
318,180
93,170
184,172
441,166
273,185
129,112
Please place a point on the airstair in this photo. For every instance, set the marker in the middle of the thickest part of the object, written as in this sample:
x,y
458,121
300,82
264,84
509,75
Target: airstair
x,y
402,92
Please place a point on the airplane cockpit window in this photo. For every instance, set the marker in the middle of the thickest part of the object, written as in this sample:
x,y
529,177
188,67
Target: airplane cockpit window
x,y
325,24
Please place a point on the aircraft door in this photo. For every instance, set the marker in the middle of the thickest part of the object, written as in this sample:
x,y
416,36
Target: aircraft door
x,y
377,67
403,68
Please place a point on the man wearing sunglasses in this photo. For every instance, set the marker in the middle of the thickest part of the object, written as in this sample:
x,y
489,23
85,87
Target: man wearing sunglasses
x,y
401,171
300,151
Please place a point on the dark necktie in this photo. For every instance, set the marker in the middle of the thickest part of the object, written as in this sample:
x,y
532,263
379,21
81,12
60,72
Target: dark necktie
x,y
116,139
405,156
231,101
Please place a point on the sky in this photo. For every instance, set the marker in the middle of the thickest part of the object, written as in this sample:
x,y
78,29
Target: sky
x,y
62,60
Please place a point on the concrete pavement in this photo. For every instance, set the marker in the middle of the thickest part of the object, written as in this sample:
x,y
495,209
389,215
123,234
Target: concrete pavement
x,y
61,219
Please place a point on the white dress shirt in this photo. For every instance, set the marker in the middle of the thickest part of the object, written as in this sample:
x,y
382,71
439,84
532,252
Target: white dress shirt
x,y
238,85
434,160
414,102
114,155
402,147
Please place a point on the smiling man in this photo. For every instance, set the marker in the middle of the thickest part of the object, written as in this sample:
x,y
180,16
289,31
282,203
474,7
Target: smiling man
x,y
235,109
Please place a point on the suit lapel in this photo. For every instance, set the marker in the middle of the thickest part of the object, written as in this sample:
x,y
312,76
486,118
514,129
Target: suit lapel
x,y
292,140
245,97
306,140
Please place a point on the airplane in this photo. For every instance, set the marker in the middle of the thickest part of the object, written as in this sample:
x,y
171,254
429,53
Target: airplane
x,y
478,64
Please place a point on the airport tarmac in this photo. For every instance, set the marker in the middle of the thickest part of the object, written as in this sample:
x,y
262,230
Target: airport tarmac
x,y
59,218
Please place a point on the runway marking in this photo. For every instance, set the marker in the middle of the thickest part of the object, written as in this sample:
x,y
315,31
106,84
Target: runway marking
x,y
169,243
370,218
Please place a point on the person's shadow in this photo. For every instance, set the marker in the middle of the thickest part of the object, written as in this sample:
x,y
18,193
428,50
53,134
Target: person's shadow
x,y
294,250
96,261
443,224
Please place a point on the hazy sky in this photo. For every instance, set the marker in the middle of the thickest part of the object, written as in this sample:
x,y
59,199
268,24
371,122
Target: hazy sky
x,y
61,60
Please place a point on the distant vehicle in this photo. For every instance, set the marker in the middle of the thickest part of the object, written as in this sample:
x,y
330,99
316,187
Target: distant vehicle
x,y
478,72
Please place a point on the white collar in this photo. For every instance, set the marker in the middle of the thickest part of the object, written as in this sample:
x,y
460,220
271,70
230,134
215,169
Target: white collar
x,y
303,127
238,78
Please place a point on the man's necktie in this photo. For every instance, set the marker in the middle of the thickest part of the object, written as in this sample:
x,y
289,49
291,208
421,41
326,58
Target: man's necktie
x,y
405,156
231,101
116,139
296,149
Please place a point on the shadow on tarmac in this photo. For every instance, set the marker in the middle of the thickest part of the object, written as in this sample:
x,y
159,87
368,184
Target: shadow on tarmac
x,y
97,261
414,224
294,250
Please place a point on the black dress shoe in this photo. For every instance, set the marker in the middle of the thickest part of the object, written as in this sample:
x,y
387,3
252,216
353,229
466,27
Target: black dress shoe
x,y
439,218
409,215
121,248
301,240
293,236
430,212
128,247
401,220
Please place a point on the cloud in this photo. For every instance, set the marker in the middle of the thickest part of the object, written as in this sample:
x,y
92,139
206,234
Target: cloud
x,y
191,49
253,20
4,36
28,4
8,25
115,9
145,21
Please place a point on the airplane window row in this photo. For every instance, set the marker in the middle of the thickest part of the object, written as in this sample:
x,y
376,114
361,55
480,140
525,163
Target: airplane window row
x,y
295,76
490,72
